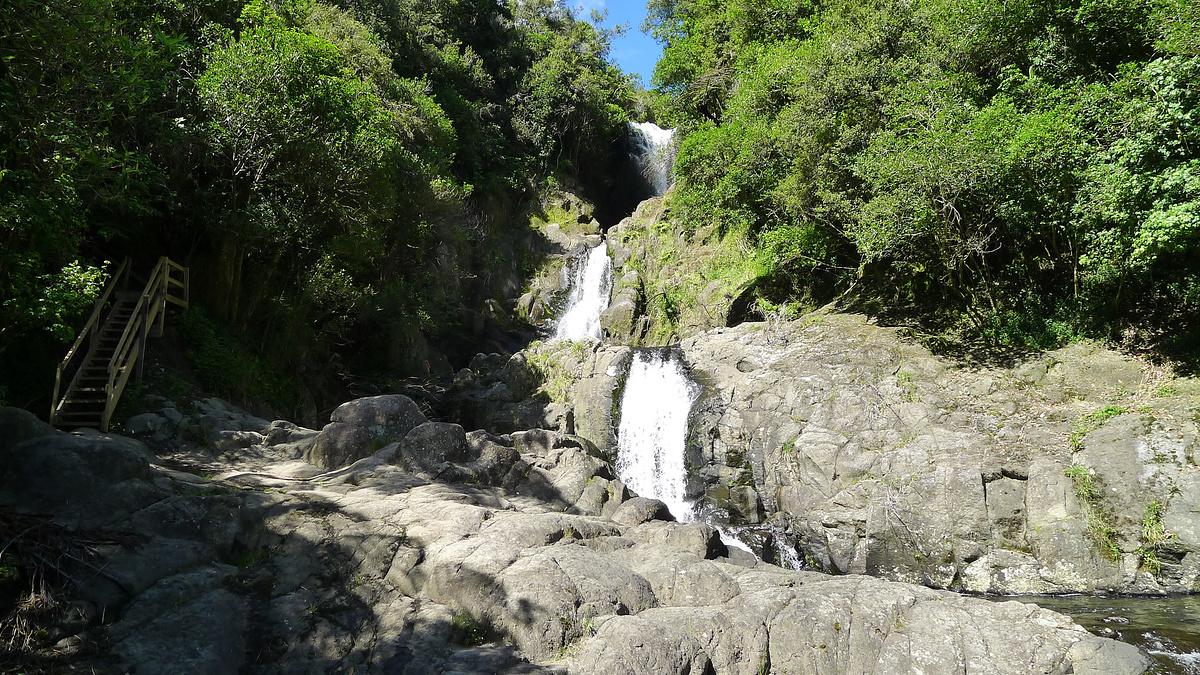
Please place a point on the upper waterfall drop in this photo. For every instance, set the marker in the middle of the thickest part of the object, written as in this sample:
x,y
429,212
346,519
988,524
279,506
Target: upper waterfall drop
x,y
591,285
652,434
656,154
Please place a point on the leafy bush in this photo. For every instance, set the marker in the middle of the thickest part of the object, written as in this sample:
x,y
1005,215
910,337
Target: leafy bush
x,y
469,631
225,368
950,158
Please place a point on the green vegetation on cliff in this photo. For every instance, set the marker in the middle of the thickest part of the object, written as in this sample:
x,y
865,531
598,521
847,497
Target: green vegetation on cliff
x,y
334,173
1027,171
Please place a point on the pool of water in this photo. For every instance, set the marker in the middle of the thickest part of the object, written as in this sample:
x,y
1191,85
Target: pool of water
x,y
1168,628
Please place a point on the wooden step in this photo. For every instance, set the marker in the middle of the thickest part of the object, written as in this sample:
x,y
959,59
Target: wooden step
x,y
78,420
81,400
71,422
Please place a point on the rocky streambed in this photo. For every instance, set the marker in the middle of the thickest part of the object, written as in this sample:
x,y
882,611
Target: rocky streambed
x,y
386,543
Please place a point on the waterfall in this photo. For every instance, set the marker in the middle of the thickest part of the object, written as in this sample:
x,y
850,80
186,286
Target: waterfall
x,y
656,154
652,436
652,441
590,286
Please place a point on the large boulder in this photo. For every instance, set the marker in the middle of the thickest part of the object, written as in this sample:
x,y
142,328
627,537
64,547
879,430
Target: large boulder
x,y
17,426
520,376
95,478
619,318
392,414
433,446
360,427
596,397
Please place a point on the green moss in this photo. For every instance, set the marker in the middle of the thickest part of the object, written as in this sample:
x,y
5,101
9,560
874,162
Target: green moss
x,y
1099,518
908,387
1166,391
1089,423
557,367
380,443
1154,537
9,568
469,631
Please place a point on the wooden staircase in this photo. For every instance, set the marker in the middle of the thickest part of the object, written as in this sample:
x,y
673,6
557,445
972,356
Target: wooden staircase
x,y
112,345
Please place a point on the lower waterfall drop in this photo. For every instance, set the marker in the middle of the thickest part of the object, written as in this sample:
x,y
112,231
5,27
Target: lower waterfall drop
x,y
590,287
652,435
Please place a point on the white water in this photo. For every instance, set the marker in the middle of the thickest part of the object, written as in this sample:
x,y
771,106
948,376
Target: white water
x,y
730,540
652,436
788,558
656,154
590,288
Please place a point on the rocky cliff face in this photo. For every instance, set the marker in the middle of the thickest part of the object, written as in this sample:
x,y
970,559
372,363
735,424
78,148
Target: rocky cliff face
x,y
445,551
1071,471
672,282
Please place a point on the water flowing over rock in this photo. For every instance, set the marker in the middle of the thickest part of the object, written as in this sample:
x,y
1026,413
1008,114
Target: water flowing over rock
x,y
652,436
590,288
656,154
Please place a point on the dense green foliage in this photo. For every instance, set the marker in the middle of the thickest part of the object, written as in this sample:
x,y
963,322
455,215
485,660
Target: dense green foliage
x,y
1029,171
334,173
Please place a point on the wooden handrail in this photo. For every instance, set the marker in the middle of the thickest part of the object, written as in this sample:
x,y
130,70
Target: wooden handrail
x,y
88,329
131,349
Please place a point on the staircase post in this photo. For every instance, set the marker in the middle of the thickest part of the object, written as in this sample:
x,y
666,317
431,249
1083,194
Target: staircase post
x,y
141,358
108,392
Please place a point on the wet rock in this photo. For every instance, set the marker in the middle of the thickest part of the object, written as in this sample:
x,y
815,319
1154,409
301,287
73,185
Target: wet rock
x,y
744,505
619,318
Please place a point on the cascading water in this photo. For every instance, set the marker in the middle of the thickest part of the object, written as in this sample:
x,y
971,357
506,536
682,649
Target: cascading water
x,y
590,288
656,154
652,445
652,436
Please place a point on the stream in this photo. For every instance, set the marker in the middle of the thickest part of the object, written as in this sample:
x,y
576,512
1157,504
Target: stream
x,y
1167,628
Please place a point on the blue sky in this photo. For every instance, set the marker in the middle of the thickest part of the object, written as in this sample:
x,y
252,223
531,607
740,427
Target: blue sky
x,y
636,52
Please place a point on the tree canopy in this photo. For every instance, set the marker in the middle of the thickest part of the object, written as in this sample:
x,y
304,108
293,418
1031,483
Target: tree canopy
x,y
321,160
1027,171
